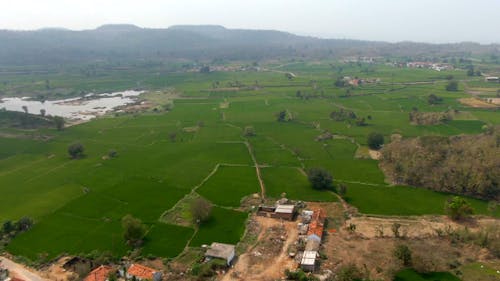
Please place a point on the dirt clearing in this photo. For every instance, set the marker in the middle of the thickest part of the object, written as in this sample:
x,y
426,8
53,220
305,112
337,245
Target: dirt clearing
x,y
268,258
478,103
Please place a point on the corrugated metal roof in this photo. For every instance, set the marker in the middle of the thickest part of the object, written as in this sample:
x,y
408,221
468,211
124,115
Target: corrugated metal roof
x,y
309,258
288,209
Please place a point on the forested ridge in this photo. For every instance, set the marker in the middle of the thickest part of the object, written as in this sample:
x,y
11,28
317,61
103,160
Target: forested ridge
x,y
465,164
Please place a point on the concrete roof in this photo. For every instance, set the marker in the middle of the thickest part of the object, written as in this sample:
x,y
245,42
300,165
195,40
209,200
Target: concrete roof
x,y
220,250
309,258
287,209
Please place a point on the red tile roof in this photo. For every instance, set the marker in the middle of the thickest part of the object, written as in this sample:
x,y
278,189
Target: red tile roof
x,y
141,271
317,223
99,274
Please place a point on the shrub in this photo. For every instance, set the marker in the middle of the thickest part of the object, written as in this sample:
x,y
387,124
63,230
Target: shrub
x,y
75,150
457,208
403,253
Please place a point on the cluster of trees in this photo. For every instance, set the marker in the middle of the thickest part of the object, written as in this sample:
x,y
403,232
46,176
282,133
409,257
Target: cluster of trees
x,y
471,72
348,115
342,115
13,119
429,118
466,164
11,229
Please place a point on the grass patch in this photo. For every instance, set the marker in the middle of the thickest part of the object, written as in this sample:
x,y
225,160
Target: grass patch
x,y
229,185
225,226
294,183
411,275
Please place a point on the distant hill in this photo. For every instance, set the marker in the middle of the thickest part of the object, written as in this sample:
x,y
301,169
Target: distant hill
x,y
124,42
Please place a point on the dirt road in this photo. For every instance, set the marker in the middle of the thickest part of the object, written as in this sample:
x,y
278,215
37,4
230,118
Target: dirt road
x,y
19,270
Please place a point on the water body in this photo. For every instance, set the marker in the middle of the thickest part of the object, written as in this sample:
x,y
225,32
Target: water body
x,y
82,108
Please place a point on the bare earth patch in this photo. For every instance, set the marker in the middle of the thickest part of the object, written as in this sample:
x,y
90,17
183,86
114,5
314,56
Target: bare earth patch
x,y
478,103
372,252
375,155
268,258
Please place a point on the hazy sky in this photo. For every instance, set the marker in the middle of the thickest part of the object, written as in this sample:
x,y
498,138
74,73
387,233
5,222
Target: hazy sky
x,y
387,20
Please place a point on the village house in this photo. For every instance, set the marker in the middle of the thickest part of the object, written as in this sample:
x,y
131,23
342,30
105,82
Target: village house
x,y
221,251
314,236
141,273
316,227
99,274
308,262
286,212
492,79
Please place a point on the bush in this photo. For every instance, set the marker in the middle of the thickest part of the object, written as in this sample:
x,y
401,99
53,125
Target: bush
x,y
403,253
457,208
349,273
75,150
452,86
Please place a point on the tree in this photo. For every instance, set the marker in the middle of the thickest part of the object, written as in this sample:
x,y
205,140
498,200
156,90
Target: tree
x,y
375,140
395,229
342,190
457,208
25,109
42,112
24,224
433,99
133,230
7,227
59,122
75,150
320,178
284,116
403,253
452,86
201,210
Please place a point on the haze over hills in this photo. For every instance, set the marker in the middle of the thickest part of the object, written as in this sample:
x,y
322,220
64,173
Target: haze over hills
x,y
125,42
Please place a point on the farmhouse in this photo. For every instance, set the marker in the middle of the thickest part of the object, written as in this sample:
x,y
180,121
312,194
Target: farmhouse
x,y
280,211
316,227
286,212
492,79
99,274
308,261
221,251
140,272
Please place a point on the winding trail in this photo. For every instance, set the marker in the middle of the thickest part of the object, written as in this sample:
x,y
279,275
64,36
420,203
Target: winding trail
x,y
257,170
